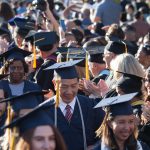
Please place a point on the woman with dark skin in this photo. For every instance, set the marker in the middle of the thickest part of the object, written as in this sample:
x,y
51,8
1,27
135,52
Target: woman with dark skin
x,y
16,67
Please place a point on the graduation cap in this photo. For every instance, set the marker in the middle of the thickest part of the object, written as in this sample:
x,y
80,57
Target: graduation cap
x,y
76,53
118,105
25,24
129,83
96,54
30,120
14,52
42,39
117,47
16,19
65,70
27,100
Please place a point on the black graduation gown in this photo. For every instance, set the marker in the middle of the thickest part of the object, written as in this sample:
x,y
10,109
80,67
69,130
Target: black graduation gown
x,y
28,87
144,134
98,146
2,122
72,133
44,77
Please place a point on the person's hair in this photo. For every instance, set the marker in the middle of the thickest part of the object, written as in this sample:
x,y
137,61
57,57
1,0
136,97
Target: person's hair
x,y
147,97
138,15
6,11
115,31
24,142
107,136
130,6
86,12
127,63
78,35
5,68
80,71
99,41
146,39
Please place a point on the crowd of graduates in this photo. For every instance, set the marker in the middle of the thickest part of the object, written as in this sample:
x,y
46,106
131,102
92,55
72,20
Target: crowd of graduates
x,y
74,75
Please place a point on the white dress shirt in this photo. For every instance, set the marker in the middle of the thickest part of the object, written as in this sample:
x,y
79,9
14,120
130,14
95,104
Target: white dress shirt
x,y
62,105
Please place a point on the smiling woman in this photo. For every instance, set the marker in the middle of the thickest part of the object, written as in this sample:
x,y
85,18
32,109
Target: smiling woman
x,y
17,68
42,137
118,130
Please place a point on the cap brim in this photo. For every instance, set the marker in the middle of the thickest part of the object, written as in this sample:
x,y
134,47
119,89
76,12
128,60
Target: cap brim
x,y
10,99
16,121
115,100
63,65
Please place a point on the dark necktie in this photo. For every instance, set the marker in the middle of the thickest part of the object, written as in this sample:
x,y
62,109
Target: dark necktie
x,y
68,114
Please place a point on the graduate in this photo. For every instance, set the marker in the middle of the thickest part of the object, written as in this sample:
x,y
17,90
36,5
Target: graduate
x,y
15,107
16,67
73,114
35,131
46,43
118,130
3,114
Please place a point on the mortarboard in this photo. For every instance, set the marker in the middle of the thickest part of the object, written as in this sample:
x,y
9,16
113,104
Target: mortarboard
x,y
30,120
14,52
76,53
27,100
96,54
25,24
72,53
44,39
118,105
116,47
66,70
15,19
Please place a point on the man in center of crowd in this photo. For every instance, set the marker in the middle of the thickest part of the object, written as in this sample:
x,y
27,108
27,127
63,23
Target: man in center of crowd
x,y
74,117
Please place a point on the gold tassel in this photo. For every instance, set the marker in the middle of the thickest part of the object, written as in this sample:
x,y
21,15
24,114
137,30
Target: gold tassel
x,y
57,93
87,76
13,138
8,121
34,57
57,90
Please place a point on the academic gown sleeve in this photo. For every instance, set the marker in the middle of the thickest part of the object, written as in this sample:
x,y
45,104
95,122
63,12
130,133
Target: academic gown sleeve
x,y
44,77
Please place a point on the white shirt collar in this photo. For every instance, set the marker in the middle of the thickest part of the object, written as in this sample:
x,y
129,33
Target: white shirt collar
x,y
62,105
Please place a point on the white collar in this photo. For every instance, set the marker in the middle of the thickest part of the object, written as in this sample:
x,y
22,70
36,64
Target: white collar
x,y
62,105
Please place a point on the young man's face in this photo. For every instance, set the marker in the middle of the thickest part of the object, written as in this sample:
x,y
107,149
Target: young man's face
x,y
68,89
